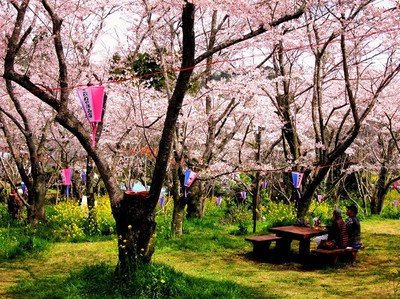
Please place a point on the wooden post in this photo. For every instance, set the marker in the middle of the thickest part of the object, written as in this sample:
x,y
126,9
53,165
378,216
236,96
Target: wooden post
x,y
256,197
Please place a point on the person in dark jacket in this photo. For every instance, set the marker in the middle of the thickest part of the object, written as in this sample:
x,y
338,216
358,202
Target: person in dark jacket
x,y
353,226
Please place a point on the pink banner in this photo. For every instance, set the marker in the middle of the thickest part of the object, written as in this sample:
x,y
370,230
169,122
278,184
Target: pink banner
x,y
66,175
92,99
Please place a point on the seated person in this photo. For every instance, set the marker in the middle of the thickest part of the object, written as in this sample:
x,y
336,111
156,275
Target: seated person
x,y
353,226
337,233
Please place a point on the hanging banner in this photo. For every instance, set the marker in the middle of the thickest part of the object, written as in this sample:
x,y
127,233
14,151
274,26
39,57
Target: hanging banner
x,y
297,178
83,177
264,184
395,185
66,175
395,203
218,201
319,198
243,195
24,189
161,201
92,99
190,176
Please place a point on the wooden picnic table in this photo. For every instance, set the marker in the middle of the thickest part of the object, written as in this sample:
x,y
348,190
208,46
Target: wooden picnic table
x,y
301,233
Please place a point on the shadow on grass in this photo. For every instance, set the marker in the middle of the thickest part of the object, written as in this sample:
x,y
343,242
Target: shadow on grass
x,y
292,261
150,281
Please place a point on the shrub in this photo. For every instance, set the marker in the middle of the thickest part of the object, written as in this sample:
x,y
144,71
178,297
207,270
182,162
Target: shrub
x,y
322,211
278,214
71,221
5,218
18,239
67,220
237,213
390,211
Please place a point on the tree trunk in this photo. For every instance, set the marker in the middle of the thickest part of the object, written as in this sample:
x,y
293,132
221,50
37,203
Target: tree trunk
x,y
136,226
256,201
174,107
15,206
89,183
179,203
380,191
90,194
37,199
303,203
195,201
177,217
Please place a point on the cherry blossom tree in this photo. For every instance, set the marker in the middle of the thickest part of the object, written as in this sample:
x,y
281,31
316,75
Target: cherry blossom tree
x,y
134,216
381,154
315,116
33,174
336,95
206,42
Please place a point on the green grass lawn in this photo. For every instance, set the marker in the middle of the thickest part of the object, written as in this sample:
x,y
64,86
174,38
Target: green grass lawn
x,y
210,263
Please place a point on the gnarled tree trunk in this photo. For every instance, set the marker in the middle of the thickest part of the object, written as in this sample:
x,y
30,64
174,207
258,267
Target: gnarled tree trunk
x,y
135,219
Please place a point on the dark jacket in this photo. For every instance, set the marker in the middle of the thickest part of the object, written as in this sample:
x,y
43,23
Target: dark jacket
x,y
353,230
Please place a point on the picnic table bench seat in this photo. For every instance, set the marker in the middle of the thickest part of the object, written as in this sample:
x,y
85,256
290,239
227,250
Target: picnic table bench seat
x,y
262,243
334,254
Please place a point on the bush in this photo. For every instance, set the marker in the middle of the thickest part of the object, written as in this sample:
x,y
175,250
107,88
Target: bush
x,y
278,214
71,222
322,211
24,245
5,218
390,211
237,213
18,239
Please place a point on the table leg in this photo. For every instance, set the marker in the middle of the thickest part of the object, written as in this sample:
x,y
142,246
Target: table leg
x,y
283,246
304,248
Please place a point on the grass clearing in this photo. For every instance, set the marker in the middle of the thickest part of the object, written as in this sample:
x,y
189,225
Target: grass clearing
x,y
205,263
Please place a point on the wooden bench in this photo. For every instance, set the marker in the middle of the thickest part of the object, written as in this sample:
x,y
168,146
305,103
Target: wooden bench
x,y
333,254
261,244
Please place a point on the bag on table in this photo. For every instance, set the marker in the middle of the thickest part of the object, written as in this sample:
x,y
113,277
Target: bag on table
x,y
327,244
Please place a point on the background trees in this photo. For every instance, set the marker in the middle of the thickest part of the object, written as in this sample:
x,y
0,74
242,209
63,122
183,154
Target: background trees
x,y
186,86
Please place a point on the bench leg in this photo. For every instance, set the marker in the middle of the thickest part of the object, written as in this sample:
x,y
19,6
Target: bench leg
x,y
350,257
283,247
261,248
353,257
335,260
304,248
